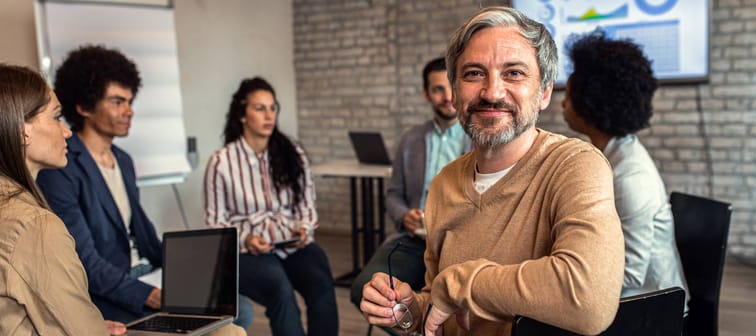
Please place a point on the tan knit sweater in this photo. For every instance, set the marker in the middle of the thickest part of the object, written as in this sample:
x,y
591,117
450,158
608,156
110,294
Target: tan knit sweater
x,y
545,241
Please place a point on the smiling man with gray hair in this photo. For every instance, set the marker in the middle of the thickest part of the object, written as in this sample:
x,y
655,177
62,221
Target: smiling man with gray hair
x,y
525,223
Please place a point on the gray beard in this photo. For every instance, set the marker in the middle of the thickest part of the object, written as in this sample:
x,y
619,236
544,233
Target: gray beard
x,y
503,137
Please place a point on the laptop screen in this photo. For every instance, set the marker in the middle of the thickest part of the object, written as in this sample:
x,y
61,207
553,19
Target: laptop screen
x,y
369,148
200,272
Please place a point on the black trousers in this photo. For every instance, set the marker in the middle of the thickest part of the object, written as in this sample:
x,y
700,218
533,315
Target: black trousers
x,y
271,282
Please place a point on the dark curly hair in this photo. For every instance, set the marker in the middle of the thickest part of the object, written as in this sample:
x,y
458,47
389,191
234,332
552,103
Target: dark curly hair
x,y
84,76
612,83
286,165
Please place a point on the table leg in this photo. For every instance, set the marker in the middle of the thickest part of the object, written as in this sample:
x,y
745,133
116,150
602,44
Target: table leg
x,y
381,213
368,222
355,225
345,280
367,211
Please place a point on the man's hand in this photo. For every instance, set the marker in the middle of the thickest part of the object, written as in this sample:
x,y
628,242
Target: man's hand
x,y
257,244
378,299
115,328
153,300
413,220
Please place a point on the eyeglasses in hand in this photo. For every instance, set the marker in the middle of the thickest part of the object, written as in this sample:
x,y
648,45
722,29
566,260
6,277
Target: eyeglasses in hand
x,y
402,313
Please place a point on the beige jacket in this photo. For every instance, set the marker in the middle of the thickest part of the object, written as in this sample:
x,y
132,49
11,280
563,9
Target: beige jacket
x,y
43,287
545,241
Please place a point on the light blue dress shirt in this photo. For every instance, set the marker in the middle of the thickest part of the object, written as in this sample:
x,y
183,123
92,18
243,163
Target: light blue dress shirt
x,y
443,147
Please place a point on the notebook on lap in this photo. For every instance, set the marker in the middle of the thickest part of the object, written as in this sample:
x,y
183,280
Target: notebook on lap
x,y
369,148
200,284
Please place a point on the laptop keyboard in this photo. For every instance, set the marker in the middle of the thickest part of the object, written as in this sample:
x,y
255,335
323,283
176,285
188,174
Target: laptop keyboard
x,y
172,324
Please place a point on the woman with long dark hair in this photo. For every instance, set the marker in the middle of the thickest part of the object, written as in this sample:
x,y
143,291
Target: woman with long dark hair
x,y
44,286
260,182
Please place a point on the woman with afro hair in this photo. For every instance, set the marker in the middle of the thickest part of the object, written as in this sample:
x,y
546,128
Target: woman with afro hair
x,y
608,98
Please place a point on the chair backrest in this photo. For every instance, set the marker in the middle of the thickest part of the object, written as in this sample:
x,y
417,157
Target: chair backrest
x,y
701,229
656,313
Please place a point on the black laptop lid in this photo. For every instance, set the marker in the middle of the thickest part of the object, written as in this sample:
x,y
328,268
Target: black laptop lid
x,y
657,313
200,272
369,148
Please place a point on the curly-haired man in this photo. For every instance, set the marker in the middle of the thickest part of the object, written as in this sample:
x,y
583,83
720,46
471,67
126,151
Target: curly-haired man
x,y
96,193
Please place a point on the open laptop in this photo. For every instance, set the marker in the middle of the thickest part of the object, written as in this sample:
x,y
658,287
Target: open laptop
x,y
369,147
200,284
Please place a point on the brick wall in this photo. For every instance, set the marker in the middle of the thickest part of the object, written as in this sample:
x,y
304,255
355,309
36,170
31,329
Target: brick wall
x,y
358,66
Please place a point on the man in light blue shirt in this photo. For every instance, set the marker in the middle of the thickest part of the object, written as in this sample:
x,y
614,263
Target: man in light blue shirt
x,y
423,151
444,145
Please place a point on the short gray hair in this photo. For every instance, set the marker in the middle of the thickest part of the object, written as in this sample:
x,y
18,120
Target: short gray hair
x,y
536,33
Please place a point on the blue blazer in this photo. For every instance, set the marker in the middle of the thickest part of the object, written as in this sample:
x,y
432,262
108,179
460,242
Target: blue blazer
x,y
79,196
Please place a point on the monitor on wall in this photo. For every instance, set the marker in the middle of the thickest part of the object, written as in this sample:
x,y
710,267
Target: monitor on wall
x,y
674,34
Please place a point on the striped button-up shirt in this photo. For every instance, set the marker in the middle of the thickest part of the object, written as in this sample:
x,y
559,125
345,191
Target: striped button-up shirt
x,y
239,192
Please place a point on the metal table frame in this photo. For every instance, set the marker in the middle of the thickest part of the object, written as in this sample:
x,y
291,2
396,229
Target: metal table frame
x,y
367,207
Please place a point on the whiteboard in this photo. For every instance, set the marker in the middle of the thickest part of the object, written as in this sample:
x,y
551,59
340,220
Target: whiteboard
x,y
146,35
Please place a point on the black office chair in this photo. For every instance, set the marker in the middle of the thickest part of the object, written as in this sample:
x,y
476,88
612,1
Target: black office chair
x,y
701,228
656,313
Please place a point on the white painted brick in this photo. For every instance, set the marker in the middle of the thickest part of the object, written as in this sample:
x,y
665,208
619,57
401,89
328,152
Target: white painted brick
x,y
744,64
686,129
683,142
696,167
718,142
721,40
720,65
664,154
690,155
674,166
679,117
712,104
721,14
686,104
661,104
728,3
724,116
730,26
662,129
737,52
738,78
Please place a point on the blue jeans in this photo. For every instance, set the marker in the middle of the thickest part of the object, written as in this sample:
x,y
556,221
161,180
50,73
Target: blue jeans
x,y
407,265
271,282
245,314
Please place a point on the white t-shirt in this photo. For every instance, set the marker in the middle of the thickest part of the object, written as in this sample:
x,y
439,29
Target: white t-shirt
x,y
114,180
484,181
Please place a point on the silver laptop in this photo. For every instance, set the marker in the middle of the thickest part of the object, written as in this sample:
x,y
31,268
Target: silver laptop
x,y
369,148
200,284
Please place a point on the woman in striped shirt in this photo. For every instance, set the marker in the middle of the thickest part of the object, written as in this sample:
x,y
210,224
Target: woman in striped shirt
x,y
260,182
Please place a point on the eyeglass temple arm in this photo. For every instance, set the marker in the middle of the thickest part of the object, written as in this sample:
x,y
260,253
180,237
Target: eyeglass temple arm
x,y
391,275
